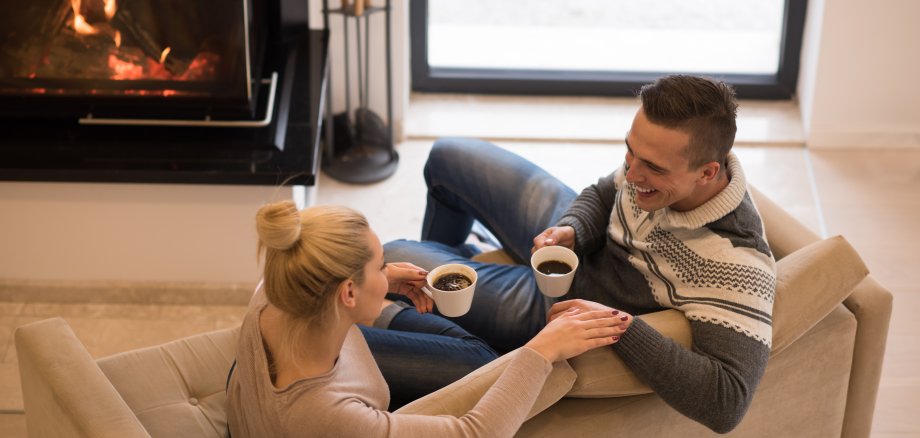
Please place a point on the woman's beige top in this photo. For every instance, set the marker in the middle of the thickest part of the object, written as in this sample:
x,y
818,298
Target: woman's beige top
x,y
351,399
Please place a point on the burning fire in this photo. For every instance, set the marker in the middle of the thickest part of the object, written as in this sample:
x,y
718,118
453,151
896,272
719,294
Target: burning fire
x,y
79,21
139,58
164,54
128,67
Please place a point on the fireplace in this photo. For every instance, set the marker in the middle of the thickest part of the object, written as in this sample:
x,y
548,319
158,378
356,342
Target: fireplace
x,y
204,91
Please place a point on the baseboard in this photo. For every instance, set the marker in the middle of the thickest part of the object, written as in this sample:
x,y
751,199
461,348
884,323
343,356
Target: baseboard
x,y
126,292
888,139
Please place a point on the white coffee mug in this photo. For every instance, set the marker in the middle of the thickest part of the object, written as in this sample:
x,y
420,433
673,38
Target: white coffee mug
x,y
554,285
451,303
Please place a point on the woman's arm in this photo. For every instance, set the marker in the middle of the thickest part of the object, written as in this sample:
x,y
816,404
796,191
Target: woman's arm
x,y
504,407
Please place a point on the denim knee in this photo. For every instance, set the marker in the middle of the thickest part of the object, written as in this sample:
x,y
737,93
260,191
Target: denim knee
x,y
447,151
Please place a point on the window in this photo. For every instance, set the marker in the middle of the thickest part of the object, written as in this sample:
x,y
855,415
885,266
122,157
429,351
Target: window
x,y
601,47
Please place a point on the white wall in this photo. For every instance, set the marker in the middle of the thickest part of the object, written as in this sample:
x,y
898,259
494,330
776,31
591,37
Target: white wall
x,y
130,232
860,79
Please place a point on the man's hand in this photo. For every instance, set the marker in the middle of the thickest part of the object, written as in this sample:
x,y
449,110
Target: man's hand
x,y
408,279
561,236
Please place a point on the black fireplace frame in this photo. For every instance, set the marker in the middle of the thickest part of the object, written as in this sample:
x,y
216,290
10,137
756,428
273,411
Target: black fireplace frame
x,y
285,150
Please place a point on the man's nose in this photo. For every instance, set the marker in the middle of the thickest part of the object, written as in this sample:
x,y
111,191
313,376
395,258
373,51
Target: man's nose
x,y
632,174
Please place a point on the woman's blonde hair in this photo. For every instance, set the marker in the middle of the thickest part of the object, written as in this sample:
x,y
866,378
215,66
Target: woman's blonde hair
x,y
307,255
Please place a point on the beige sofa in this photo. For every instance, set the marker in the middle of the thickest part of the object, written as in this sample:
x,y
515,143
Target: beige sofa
x,y
830,327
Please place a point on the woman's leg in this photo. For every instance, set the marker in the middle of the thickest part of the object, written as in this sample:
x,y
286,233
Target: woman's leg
x,y
471,180
421,353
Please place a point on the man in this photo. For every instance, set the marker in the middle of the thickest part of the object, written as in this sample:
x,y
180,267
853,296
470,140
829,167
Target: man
x,y
673,227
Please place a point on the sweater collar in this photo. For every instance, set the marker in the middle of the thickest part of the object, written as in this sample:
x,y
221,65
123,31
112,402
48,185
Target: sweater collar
x,y
720,205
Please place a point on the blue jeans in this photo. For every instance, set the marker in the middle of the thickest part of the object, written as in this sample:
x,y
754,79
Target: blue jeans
x,y
421,353
471,180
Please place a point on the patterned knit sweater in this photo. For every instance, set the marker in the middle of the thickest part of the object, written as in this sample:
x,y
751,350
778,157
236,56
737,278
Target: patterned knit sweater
x,y
712,263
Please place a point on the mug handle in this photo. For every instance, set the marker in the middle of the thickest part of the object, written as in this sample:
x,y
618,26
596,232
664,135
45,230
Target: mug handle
x,y
427,292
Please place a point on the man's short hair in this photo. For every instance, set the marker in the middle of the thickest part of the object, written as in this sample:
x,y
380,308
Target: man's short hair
x,y
702,107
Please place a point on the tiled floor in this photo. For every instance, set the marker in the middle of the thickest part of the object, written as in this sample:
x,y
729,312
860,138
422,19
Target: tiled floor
x,y
868,196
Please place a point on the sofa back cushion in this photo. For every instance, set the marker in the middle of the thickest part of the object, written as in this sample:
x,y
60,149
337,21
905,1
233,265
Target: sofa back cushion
x,y
178,388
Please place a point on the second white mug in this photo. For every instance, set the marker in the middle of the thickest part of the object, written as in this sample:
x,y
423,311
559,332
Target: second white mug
x,y
554,284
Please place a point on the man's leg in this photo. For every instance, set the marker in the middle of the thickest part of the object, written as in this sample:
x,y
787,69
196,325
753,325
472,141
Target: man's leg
x,y
507,309
471,180
421,353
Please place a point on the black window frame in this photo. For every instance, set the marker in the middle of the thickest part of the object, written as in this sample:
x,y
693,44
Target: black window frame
x,y
781,85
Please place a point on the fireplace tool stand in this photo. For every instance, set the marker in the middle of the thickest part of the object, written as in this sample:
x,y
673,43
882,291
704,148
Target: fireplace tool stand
x,y
361,151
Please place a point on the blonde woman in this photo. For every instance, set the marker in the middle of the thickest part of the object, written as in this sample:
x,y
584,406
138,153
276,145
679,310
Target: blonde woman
x,y
303,366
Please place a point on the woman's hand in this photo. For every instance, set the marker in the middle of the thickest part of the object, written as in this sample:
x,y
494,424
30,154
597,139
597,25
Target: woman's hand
x,y
561,307
574,331
561,236
408,279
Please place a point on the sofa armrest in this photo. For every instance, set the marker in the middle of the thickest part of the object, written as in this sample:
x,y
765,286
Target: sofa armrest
x,y
460,397
64,391
871,303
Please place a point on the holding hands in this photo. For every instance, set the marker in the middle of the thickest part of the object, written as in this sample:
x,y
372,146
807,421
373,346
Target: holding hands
x,y
408,279
576,326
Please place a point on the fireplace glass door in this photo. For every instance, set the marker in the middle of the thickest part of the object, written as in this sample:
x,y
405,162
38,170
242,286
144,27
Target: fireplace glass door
x,y
131,58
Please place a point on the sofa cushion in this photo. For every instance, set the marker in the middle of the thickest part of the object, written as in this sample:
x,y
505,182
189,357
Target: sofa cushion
x,y
810,283
177,388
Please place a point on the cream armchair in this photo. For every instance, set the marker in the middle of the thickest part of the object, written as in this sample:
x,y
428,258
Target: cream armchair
x,y
830,328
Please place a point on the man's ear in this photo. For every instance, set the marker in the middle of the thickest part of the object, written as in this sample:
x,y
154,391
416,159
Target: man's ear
x,y
347,293
709,172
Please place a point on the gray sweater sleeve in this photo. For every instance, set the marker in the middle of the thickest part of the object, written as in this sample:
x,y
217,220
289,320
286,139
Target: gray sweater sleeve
x,y
713,383
589,215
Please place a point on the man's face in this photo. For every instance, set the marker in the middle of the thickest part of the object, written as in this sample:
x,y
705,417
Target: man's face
x,y
658,167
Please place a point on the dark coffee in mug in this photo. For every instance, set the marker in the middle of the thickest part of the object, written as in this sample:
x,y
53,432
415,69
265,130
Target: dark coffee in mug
x,y
554,267
453,282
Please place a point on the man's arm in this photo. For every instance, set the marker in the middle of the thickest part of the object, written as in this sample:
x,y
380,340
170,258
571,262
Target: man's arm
x,y
712,384
589,214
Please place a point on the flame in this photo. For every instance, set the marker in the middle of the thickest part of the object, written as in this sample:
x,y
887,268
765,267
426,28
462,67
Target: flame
x,y
81,26
164,54
117,39
110,8
79,22
124,70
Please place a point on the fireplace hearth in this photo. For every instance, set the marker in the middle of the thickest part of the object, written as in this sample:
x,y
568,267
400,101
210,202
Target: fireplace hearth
x,y
165,91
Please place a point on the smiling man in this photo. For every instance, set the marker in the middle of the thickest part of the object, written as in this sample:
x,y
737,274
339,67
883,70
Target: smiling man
x,y
672,227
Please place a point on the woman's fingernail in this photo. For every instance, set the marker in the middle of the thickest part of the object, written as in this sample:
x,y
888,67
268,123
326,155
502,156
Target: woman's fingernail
x,y
624,318
616,312
616,338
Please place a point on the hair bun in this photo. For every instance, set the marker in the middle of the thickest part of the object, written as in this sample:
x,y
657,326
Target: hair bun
x,y
278,225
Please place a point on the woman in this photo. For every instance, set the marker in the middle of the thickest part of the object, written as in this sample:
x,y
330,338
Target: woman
x,y
304,368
